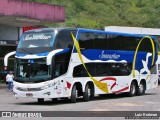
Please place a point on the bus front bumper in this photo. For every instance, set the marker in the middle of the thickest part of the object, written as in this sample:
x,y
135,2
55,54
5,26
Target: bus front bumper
x,y
33,94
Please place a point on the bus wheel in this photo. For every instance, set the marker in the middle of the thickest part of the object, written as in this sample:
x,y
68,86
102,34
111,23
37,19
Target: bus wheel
x,y
132,91
88,93
141,89
40,100
74,94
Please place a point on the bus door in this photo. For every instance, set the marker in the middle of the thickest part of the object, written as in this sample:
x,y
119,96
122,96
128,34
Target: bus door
x,y
60,63
154,77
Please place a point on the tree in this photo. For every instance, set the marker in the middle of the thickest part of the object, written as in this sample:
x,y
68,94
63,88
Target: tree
x,y
97,14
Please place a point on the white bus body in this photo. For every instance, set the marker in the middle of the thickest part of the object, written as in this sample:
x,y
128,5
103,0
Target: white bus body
x,y
48,65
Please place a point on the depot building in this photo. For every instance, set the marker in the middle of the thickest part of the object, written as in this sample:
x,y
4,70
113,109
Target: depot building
x,y
17,16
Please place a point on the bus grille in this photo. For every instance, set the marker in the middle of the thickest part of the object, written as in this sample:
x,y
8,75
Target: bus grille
x,y
29,89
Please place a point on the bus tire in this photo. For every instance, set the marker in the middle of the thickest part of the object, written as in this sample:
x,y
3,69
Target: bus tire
x,y
88,93
74,94
40,100
133,89
141,89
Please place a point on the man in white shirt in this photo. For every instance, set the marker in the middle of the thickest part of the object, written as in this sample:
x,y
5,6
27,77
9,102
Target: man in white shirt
x,y
9,79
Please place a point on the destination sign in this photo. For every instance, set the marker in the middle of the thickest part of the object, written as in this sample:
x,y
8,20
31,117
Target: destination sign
x,y
37,37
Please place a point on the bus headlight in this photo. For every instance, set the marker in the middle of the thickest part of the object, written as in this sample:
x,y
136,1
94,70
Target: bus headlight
x,y
44,87
47,86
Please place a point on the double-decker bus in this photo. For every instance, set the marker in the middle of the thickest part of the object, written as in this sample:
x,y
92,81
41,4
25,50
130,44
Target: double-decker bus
x,y
55,63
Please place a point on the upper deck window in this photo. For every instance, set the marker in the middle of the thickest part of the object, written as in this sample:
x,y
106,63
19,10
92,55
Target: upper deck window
x,y
33,40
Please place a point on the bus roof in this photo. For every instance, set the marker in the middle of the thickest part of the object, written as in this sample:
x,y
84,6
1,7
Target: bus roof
x,y
48,29
116,33
89,30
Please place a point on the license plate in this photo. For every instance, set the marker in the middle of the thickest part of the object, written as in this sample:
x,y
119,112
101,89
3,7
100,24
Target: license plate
x,y
29,94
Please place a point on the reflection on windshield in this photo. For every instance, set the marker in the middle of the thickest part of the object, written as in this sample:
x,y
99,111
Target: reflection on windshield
x,y
33,40
32,70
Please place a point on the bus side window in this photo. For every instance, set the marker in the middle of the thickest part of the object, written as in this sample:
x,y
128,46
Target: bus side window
x,y
61,62
64,39
86,40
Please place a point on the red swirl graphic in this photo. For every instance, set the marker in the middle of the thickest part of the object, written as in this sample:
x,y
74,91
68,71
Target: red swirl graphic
x,y
114,84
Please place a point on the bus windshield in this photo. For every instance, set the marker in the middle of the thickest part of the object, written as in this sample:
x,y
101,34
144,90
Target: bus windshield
x,y
37,39
32,70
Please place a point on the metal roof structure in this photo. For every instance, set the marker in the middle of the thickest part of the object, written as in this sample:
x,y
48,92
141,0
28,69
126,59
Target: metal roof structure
x,y
134,30
21,13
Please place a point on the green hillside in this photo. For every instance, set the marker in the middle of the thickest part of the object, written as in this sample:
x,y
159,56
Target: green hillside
x,y
99,13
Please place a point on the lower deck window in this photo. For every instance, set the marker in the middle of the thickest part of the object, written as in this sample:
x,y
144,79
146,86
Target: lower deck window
x,y
103,69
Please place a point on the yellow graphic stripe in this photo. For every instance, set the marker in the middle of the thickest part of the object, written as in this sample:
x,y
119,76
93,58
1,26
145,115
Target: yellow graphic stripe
x,y
135,55
101,86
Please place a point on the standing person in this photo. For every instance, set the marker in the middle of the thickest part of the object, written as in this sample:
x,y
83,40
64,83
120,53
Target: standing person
x,y
9,79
